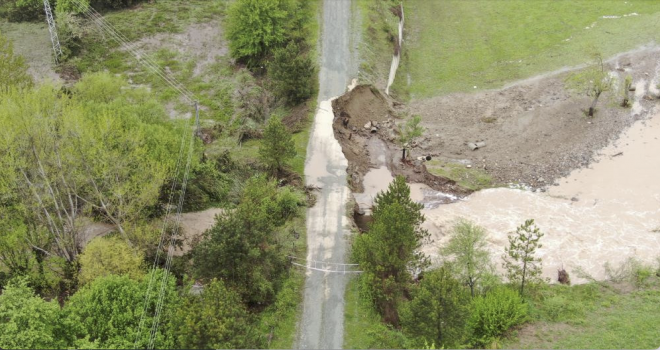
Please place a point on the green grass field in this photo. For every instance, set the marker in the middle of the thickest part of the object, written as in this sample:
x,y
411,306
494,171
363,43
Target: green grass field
x,y
592,317
454,45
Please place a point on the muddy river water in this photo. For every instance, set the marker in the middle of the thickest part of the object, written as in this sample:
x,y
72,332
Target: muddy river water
x,y
607,212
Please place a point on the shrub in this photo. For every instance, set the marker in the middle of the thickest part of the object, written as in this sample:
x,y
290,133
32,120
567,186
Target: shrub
x,y
109,255
288,202
494,314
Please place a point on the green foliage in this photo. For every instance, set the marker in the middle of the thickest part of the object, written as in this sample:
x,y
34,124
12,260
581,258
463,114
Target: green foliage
x,y
70,33
106,150
494,314
390,250
292,73
438,310
215,319
13,70
110,256
256,27
107,311
71,7
592,81
242,249
24,10
277,146
519,261
207,186
467,252
411,130
29,322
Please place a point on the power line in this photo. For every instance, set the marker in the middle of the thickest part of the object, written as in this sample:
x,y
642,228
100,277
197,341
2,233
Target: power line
x,y
142,58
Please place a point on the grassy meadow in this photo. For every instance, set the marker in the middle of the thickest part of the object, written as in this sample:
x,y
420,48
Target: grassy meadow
x,y
455,45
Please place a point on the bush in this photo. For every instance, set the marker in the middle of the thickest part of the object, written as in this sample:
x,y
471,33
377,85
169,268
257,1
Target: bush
x,y
109,255
494,314
292,73
206,187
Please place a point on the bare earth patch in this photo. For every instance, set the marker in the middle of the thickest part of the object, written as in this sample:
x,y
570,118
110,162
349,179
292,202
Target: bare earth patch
x,y
535,131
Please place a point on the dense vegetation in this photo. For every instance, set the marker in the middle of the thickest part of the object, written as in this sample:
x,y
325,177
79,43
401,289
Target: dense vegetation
x,y
100,155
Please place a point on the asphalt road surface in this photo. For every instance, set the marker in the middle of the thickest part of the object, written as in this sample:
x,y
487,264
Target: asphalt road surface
x,y
321,325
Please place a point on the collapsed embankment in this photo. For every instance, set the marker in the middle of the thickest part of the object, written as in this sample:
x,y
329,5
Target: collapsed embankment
x,y
366,126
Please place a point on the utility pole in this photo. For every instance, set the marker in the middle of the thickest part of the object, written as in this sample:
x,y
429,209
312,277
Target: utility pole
x,y
53,31
198,132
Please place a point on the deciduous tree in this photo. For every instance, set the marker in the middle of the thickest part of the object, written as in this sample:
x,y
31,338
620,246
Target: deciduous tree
x,y
438,310
592,81
256,27
467,253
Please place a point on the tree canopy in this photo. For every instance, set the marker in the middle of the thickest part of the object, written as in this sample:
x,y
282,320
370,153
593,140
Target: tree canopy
x,y
277,146
389,252
29,322
255,27
242,247
214,319
107,311
467,253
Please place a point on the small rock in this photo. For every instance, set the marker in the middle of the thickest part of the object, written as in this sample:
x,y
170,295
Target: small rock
x,y
469,166
574,199
367,126
541,179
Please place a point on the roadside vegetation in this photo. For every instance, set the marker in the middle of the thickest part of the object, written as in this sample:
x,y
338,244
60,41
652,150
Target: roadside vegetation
x,y
100,152
399,301
496,42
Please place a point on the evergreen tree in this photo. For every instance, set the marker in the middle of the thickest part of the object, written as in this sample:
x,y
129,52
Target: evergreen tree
x,y
389,252
277,146
519,261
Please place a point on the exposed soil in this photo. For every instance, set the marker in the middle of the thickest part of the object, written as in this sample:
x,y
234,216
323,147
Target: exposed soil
x,y
193,225
365,127
202,42
535,131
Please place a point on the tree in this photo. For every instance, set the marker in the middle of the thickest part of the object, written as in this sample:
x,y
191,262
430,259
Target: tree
x,y
519,261
292,73
437,312
29,322
277,146
410,131
104,152
110,256
215,319
592,81
389,252
108,311
255,28
467,252
13,71
242,248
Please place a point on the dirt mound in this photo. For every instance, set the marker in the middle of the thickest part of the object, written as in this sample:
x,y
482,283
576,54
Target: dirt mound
x,y
366,129
364,104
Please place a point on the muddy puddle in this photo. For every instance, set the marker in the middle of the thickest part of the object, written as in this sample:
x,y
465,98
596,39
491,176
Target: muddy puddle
x,y
605,213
